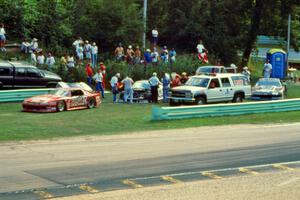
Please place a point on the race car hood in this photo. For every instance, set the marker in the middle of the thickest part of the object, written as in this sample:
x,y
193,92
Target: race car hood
x,y
192,89
42,98
264,89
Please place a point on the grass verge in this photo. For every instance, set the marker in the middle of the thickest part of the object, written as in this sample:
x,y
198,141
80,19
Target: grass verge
x,y
110,119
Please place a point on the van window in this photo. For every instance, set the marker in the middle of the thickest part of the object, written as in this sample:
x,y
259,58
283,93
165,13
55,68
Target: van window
x,y
214,83
21,72
225,82
33,73
5,71
239,80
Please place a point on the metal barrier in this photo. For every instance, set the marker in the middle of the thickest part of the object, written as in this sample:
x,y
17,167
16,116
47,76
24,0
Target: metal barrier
x,y
20,95
185,112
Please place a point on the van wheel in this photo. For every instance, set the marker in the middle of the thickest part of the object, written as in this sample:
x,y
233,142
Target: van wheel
x,y
238,98
91,103
200,101
61,106
172,103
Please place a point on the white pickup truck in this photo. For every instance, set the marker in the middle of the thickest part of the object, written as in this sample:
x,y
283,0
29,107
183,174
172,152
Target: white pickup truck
x,y
202,89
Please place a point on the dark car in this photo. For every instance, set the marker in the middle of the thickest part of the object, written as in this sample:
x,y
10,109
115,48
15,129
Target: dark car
x,y
23,75
142,91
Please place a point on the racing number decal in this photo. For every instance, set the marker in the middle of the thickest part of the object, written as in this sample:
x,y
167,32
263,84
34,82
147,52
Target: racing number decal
x,y
78,101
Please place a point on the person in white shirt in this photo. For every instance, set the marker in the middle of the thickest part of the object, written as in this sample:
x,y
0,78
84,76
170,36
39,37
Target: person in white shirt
x,y
94,54
34,45
50,61
267,69
155,36
247,73
79,52
25,46
114,86
98,78
202,52
88,50
154,83
33,58
154,56
128,91
70,63
41,59
2,37
77,42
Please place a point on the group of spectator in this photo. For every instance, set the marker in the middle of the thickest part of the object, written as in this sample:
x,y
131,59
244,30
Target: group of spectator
x,y
166,81
135,55
85,50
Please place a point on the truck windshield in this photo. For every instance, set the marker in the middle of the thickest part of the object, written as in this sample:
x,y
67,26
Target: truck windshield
x,y
199,82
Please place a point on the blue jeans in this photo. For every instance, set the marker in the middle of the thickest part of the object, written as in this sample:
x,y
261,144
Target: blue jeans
x,y
114,91
128,93
94,60
165,94
99,88
89,80
267,75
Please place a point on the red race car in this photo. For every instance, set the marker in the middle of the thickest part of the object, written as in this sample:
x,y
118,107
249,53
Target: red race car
x,y
62,99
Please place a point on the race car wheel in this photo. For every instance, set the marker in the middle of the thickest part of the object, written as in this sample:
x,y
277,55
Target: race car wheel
x,y
91,103
61,106
238,98
200,101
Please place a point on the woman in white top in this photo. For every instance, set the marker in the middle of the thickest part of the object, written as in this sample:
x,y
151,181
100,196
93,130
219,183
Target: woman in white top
x,y
41,59
2,37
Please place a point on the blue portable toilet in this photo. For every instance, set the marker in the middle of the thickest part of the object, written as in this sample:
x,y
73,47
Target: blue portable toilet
x,y
277,59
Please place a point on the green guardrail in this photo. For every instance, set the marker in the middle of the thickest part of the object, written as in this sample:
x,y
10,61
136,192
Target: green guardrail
x,y
184,112
20,95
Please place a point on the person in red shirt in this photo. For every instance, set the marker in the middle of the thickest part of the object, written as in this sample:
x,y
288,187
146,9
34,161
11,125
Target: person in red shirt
x,y
176,81
89,73
103,69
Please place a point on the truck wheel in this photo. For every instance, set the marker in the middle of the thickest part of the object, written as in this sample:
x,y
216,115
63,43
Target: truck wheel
x,y
91,103
172,103
61,106
238,98
200,101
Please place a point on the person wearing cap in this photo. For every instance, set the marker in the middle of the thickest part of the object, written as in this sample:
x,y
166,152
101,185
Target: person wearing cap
x,y
50,61
129,54
147,56
114,86
119,53
166,86
267,71
137,55
128,91
89,74
154,83
34,45
94,50
98,78
88,50
165,55
103,70
247,73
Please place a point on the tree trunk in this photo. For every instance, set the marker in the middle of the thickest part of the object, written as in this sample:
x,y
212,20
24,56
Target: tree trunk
x,y
254,31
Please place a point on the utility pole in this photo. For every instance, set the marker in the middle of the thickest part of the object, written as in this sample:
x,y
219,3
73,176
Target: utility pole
x,y
288,41
145,23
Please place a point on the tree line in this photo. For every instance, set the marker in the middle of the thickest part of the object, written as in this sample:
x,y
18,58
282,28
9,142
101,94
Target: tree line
x,y
225,26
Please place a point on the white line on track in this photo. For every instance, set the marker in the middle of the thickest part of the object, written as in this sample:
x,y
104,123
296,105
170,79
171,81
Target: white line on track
x,y
219,170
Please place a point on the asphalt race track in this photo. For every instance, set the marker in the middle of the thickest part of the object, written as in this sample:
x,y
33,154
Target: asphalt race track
x,y
66,167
